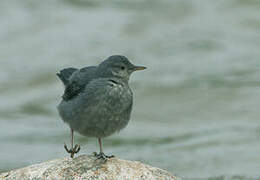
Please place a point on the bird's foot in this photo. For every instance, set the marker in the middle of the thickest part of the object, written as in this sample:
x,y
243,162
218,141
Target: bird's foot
x,y
101,155
73,150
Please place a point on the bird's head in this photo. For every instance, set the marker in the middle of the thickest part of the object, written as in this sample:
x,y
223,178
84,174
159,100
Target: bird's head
x,y
118,66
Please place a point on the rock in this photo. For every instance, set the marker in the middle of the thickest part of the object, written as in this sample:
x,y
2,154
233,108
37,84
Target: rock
x,y
88,167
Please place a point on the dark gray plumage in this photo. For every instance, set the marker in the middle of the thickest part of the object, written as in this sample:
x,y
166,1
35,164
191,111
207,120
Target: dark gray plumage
x,y
65,74
97,100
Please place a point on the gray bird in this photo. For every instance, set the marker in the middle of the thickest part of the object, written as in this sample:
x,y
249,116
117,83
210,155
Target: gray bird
x,y
97,100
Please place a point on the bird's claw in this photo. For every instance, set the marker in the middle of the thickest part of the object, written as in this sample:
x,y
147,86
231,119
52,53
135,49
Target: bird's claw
x,y
101,155
73,150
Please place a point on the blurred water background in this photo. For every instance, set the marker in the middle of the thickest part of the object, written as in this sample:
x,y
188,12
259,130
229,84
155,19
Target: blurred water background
x,y
196,108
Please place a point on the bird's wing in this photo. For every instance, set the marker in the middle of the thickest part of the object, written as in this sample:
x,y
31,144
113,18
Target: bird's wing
x,y
77,82
65,74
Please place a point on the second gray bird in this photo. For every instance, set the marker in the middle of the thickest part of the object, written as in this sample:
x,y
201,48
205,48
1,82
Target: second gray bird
x,y
97,100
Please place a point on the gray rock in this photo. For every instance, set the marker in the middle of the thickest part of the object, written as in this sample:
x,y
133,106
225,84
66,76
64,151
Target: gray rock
x,y
88,167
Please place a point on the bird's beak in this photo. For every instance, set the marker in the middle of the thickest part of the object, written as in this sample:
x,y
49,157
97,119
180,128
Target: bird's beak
x,y
138,68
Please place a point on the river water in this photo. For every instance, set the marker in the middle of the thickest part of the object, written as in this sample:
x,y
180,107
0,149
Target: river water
x,y
196,107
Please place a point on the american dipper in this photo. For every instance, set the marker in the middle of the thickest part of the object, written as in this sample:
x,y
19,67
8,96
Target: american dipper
x,y
97,100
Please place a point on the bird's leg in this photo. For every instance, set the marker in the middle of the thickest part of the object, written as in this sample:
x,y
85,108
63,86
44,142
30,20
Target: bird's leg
x,y
74,149
101,155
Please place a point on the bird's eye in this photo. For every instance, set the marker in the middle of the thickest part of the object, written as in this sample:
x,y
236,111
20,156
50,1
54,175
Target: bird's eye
x,y
122,68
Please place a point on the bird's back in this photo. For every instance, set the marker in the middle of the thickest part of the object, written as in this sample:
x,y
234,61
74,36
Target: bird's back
x,y
77,81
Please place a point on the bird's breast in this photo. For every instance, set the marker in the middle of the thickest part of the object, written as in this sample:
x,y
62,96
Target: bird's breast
x,y
120,96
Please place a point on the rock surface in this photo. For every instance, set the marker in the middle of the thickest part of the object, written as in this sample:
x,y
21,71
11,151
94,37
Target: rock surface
x,y
88,167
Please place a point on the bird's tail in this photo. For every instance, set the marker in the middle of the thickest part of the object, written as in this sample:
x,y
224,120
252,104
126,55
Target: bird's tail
x,y
65,74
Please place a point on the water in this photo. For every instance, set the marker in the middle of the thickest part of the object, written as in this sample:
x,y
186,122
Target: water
x,y
196,108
